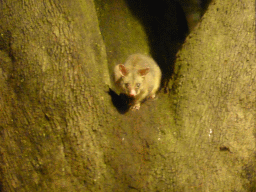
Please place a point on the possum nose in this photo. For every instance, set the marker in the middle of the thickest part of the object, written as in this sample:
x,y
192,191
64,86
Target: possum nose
x,y
132,93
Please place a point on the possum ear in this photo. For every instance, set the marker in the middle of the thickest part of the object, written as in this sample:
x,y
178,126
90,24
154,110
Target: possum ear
x,y
123,70
143,72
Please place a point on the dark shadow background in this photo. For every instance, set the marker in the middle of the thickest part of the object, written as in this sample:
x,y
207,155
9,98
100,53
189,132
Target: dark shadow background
x,y
166,26
165,23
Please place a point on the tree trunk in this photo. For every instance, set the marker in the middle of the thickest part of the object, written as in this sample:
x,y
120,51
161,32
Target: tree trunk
x,y
59,129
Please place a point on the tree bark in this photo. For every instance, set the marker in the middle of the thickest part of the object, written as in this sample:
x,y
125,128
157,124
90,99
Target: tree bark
x,y
59,129
53,97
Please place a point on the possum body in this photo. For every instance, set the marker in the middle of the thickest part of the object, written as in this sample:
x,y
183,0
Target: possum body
x,y
139,77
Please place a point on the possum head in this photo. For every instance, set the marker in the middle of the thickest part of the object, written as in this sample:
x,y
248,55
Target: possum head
x,y
132,80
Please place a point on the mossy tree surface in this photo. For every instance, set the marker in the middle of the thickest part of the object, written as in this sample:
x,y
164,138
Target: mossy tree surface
x,y
52,79
59,130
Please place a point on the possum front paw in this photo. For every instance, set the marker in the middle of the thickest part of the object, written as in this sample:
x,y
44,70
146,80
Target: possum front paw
x,y
136,106
152,96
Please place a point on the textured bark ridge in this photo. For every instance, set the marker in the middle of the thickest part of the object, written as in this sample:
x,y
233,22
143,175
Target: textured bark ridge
x,y
61,128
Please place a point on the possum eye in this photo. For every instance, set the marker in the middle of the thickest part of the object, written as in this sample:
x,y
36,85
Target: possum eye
x,y
137,85
127,85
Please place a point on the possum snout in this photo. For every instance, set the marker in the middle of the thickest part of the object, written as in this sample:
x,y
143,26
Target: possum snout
x,y
132,93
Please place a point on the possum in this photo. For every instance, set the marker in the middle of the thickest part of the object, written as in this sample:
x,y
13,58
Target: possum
x,y
139,77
